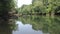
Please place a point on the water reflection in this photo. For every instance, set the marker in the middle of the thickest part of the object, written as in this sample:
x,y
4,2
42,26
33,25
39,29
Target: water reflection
x,y
31,25
7,26
25,29
45,24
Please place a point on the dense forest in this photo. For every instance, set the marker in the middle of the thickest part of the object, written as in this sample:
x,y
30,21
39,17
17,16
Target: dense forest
x,y
7,10
41,7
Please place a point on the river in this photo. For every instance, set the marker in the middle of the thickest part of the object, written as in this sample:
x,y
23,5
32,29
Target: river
x,y
33,25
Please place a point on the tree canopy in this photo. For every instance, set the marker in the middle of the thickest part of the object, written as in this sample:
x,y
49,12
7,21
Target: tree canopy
x,y
41,6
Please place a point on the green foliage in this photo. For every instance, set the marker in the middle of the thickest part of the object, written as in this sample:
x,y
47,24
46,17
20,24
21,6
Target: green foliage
x,y
7,8
40,6
7,5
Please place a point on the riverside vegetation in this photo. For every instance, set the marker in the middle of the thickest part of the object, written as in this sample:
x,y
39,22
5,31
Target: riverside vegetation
x,y
41,7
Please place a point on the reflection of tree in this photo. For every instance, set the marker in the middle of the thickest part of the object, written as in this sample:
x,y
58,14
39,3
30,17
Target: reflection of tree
x,y
6,27
46,24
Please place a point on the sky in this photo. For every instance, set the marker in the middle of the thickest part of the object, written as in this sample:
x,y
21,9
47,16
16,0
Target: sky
x,y
21,2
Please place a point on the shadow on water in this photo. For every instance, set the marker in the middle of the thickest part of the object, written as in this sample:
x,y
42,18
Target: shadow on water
x,y
46,24
6,29
7,26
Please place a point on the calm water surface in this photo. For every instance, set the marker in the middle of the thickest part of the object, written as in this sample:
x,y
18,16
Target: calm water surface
x,y
25,29
33,25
